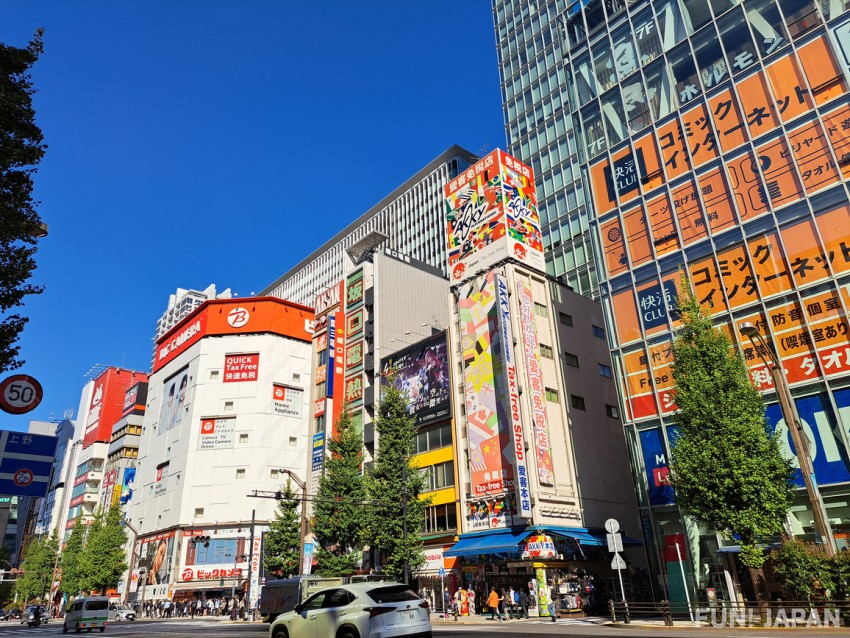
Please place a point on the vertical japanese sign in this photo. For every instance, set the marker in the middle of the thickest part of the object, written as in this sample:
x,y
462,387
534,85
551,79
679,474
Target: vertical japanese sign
x,y
545,471
491,214
517,434
318,451
353,358
657,468
490,459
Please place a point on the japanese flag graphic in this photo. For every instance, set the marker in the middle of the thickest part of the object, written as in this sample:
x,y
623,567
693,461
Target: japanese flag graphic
x,y
207,426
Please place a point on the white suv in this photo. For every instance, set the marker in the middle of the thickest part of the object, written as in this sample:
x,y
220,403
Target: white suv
x,y
358,610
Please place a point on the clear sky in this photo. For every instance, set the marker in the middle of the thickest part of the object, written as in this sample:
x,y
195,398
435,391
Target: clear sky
x,y
207,141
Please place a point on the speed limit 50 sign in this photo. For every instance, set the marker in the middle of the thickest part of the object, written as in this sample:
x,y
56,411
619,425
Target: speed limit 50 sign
x,y
19,394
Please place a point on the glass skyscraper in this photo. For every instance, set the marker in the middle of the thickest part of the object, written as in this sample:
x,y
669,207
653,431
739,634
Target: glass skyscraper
x,y
710,136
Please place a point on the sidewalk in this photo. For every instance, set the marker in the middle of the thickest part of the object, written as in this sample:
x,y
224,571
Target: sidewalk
x,y
483,619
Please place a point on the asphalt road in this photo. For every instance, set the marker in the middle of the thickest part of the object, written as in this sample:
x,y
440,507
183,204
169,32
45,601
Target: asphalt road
x,y
573,628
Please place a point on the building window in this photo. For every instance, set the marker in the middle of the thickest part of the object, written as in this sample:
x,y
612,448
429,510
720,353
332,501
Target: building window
x,y
433,438
214,374
293,441
228,406
199,512
577,402
552,395
243,437
546,351
240,473
274,474
598,332
296,377
605,371
613,411
571,360
541,310
565,319
439,476
440,518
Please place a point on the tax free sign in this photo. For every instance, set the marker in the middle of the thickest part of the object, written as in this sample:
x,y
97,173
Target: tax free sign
x,y
26,461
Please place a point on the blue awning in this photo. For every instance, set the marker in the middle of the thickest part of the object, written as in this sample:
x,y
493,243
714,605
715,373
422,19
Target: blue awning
x,y
587,537
502,542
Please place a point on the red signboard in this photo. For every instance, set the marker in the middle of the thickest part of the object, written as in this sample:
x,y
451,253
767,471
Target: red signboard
x,y
107,402
241,367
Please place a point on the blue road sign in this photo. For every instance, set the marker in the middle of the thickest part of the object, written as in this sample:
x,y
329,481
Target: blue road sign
x,y
441,572
26,461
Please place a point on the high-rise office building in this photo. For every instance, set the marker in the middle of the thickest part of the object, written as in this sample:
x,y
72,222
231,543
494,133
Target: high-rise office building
x,y
182,303
410,219
710,136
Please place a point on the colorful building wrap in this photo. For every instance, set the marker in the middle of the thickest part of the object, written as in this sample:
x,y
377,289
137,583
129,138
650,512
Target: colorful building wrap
x,y
490,459
517,435
542,446
491,212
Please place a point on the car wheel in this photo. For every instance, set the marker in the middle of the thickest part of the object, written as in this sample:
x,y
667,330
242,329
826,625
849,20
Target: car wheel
x,y
280,632
347,632
64,628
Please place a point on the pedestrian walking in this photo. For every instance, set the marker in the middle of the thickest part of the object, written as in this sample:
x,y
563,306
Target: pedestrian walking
x,y
550,601
470,596
523,603
493,601
447,602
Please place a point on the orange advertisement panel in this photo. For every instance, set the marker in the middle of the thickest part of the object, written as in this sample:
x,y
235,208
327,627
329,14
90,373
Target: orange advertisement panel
x,y
614,247
759,372
834,227
805,256
689,213
750,195
789,86
661,358
637,235
783,183
769,266
625,311
641,401
706,284
756,103
838,130
664,234
731,128
675,158
715,192
816,167
652,177
698,136
623,179
737,276
825,77
829,331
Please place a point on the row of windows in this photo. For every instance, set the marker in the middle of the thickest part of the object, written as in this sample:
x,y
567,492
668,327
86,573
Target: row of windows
x,y
572,361
433,438
440,518
439,476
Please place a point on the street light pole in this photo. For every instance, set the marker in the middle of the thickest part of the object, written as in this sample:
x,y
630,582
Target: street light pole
x,y
303,487
132,561
795,429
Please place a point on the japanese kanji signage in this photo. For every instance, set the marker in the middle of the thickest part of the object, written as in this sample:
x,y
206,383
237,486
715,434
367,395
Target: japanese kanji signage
x,y
217,434
26,461
286,400
241,367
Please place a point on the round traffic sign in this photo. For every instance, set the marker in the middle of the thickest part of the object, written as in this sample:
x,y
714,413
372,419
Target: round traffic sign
x,y
19,394
612,526
23,478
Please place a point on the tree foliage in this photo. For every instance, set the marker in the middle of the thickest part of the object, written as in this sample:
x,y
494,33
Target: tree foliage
x,y
21,149
37,566
71,562
339,513
104,561
727,468
395,483
806,571
283,540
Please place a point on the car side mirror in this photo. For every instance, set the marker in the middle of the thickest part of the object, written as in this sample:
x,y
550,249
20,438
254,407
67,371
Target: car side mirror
x,y
298,608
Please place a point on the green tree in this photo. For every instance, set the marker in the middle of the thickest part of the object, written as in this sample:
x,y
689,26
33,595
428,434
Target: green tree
x,y
806,572
104,561
283,540
73,577
395,484
21,150
338,513
37,567
727,468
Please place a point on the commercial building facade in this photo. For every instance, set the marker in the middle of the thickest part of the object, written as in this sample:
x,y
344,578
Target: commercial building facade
x,y
227,409
710,137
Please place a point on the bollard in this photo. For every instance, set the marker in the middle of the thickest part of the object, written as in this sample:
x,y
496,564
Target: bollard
x,y
668,615
627,616
612,610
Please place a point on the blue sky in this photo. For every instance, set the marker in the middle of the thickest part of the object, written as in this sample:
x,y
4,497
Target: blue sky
x,y
200,142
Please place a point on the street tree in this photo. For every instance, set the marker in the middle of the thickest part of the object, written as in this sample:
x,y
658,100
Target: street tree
x,y
339,505
21,149
727,468
73,577
394,484
38,564
104,560
283,540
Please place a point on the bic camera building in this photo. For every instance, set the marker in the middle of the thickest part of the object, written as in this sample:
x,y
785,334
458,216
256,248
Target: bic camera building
x,y
715,137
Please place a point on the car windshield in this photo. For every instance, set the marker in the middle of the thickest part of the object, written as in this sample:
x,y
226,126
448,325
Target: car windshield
x,y
392,594
97,605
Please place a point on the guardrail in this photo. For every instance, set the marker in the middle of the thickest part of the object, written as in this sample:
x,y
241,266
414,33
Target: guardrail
x,y
779,613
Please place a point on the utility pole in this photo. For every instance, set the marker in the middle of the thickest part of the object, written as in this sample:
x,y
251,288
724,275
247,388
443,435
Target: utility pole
x,y
404,518
126,596
303,486
250,564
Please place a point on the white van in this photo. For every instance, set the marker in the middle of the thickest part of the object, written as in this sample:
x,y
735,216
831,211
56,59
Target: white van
x,y
87,613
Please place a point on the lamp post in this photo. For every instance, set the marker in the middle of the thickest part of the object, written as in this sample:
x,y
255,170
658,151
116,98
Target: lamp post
x,y
303,487
126,595
233,585
795,428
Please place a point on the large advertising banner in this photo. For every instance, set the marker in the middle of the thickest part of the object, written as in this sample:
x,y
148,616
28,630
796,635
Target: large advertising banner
x,y
517,432
657,467
494,513
175,397
490,456
156,558
491,212
106,406
542,445
422,375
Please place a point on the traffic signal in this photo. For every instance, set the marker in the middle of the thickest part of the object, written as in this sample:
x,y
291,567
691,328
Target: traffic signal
x,y
201,539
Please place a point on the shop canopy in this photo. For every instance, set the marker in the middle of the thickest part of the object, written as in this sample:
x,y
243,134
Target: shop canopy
x,y
587,537
501,542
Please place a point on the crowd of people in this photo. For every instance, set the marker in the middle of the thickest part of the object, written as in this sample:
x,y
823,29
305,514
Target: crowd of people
x,y
189,608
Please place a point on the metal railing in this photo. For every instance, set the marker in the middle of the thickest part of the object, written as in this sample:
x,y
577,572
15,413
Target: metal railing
x,y
778,613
